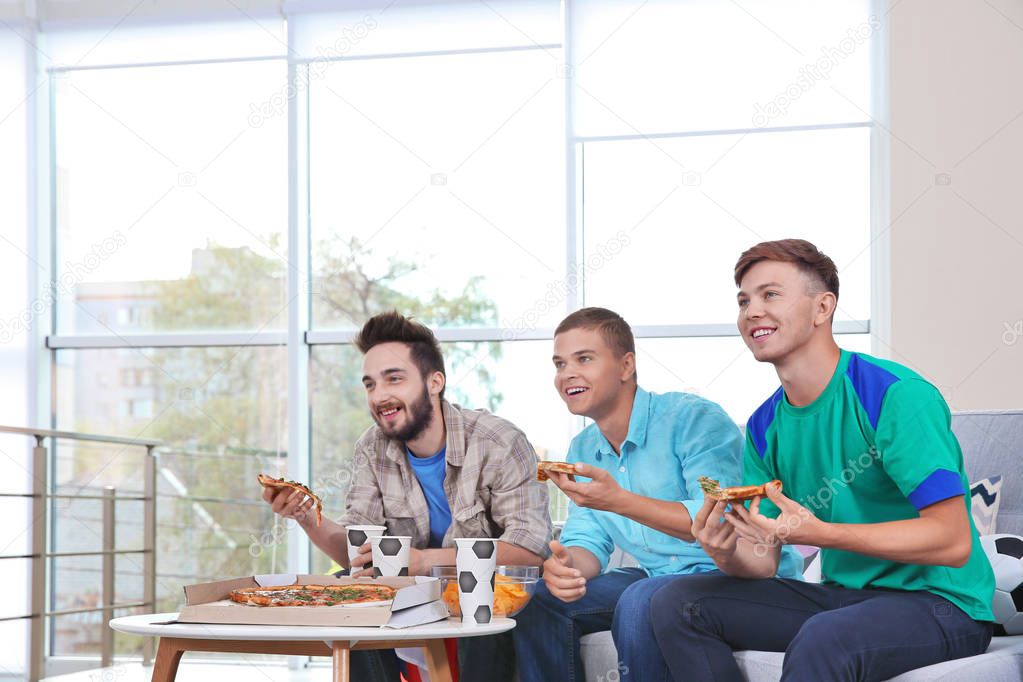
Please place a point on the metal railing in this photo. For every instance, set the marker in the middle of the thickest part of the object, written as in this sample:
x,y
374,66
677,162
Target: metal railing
x,y
40,555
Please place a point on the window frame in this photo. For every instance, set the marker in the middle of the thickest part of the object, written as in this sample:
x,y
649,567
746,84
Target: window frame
x,y
300,336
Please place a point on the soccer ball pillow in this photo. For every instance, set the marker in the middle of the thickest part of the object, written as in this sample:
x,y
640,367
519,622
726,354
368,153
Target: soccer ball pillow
x,y
1005,552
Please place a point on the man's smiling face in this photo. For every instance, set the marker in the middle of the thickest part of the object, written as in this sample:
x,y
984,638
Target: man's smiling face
x,y
588,375
777,308
396,392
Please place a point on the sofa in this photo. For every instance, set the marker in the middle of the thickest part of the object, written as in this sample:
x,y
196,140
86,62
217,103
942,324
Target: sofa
x,y
992,444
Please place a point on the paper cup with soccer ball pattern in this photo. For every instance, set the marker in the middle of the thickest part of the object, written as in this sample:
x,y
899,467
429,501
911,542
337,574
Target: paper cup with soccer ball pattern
x,y
475,562
360,535
390,555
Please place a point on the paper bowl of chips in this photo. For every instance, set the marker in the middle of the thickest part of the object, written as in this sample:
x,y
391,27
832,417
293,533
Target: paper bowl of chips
x,y
514,586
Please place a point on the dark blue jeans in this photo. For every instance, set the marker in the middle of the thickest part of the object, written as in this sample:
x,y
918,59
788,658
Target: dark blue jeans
x,y
827,632
548,630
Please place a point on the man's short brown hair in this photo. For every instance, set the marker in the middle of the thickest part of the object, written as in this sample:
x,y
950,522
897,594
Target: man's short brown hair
x,y
395,327
613,329
818,267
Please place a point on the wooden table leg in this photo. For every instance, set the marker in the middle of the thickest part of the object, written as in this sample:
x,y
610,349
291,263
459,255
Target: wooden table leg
x,y
165,668
437,660
342,661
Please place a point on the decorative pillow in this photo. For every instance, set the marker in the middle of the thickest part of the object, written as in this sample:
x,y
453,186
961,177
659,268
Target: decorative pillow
x,y
985,497
812,568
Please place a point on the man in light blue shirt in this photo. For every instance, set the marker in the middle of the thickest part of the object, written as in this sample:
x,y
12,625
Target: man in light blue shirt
x,y
641,459
672,439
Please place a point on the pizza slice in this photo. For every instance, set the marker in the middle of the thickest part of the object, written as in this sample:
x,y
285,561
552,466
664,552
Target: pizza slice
x,y
271,482
545,467
739,493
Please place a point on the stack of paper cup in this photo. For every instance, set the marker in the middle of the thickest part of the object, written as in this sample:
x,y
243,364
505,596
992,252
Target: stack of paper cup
x,y
475,562
360,535
390,555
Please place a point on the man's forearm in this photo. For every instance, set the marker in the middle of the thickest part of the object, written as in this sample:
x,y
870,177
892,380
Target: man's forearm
x,y
584,561
513,555
422,560
667,517
507,555
911,541
329,537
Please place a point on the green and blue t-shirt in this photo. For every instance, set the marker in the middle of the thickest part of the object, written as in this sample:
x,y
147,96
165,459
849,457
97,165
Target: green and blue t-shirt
x,y
875,446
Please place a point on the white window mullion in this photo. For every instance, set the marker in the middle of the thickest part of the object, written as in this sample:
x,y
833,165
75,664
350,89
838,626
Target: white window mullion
x,y
299,465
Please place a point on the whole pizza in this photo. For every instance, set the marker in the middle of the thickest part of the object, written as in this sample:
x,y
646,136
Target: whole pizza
x,y
312,595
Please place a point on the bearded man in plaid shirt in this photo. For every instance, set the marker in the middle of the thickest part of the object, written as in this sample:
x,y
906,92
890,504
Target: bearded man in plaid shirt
x,y
434,471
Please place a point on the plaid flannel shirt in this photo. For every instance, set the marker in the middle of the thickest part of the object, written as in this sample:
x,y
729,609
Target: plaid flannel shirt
x,y
490,483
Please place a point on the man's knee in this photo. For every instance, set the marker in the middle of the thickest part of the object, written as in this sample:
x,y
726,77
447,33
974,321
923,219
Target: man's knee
x,y
536,608
668,615
822,641
541,594
681,603
634,605
542,605
824,628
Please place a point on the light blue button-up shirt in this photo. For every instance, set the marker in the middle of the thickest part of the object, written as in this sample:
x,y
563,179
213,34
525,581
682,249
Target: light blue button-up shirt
x,y
673,439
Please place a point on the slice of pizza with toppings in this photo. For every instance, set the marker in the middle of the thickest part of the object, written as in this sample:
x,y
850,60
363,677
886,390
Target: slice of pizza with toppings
x,y
543,469
271,482
740,493
710,487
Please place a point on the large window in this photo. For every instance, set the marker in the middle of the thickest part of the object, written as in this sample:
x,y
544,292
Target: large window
x,y
224,220
171,209
701,128
441,178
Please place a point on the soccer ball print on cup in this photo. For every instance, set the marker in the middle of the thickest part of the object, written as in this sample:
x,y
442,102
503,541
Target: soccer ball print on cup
x,y
390,555
358,536
475,562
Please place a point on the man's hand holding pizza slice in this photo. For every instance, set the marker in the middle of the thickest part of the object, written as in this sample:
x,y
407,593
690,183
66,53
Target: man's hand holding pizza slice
x,y
794,525
291,499
724,520
600,492
718,539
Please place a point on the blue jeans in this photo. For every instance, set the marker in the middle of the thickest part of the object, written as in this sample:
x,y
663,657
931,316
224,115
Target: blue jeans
x,y
548,630
827,632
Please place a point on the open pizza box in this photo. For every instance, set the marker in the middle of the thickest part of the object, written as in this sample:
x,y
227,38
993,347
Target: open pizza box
x,y
417,601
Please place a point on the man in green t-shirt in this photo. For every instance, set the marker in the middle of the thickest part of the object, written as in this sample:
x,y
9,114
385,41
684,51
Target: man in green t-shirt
x,y
871,473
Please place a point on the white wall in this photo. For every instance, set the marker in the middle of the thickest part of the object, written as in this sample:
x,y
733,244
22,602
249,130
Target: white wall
x,y
956,219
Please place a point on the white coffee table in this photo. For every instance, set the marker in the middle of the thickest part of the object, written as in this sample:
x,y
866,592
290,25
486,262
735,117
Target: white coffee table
x,y
298,640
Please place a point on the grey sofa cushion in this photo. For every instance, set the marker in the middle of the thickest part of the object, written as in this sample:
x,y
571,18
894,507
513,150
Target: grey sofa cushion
x,y
992,444
599,656
1003,662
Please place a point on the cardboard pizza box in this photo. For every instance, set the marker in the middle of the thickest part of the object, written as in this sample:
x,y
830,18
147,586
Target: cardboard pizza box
x,y
417,601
